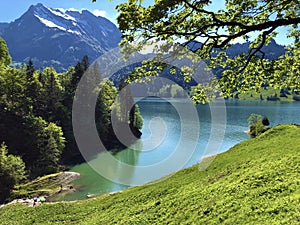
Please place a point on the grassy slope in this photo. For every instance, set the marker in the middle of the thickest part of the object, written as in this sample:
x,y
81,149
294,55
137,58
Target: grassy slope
x,y
45,185
255,182
252,95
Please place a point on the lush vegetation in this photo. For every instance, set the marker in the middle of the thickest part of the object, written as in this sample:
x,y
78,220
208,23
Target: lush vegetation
x,y
258,22
36,120
12,171
257,124
44,186
268,94
255,182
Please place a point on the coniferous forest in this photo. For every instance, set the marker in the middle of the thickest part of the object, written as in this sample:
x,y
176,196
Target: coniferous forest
x,y
36,119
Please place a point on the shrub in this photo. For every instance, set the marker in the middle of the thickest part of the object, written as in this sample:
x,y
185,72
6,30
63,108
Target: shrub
x,y
257,124
12,171
265,121
296,98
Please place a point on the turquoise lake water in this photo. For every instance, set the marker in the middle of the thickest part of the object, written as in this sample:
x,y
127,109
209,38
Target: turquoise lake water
x,y
169,142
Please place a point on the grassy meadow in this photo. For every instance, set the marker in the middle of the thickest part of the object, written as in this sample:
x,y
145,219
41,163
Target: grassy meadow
x,y
255,182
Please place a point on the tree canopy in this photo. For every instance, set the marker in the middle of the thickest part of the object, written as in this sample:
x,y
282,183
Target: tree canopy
x,y
185,21
36,113
4,54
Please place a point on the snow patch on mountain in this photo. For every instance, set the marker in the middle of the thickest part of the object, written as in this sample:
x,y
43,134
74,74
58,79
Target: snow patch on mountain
x,y
55,18
59,37
49,23
61,14
71,20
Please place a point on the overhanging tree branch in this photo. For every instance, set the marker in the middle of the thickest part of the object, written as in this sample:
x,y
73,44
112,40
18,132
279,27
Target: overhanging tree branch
x,y
217,30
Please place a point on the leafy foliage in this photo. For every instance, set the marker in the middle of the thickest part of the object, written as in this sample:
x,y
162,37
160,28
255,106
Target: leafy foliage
x,y
35,114
12,171
49,146
105,104
189,20
4,54
257,124
137,118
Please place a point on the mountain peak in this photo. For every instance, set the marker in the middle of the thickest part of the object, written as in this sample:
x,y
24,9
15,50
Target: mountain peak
x,y
59,36
39,5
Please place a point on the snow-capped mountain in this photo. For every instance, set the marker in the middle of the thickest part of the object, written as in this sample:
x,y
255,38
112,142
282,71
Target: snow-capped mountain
x,y
58,38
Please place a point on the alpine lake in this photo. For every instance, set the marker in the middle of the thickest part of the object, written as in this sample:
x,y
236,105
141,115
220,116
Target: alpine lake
x,y
170,128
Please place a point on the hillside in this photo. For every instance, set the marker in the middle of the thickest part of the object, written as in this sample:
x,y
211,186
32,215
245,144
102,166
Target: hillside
x,y
268,94
255,182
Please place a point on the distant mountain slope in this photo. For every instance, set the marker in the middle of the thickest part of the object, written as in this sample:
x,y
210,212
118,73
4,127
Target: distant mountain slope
x,y
3,26
272,51
51,37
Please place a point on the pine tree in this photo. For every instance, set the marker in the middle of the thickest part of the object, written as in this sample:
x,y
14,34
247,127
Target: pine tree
x,y
50,144
50,99
5,58
129,111
104,107
85,62
32,87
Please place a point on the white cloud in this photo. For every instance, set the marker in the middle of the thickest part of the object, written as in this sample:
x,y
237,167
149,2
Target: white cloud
x,y
238,40
98,12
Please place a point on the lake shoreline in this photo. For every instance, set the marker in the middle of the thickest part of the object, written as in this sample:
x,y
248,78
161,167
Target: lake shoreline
x,y
237,113
48,186
239,183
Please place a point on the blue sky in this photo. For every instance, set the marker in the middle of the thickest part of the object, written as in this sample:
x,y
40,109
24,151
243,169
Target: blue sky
x,y
13,9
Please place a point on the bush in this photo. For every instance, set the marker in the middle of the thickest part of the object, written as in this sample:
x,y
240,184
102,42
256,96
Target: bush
x,y
12,171
257,124
265,121
296,98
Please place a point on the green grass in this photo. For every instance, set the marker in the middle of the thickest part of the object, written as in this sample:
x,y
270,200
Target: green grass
x,y
255,182
42,186
252,95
